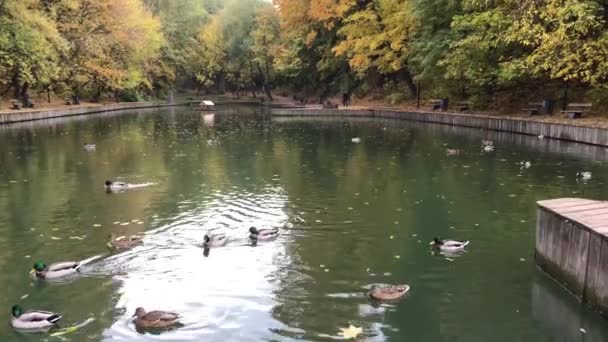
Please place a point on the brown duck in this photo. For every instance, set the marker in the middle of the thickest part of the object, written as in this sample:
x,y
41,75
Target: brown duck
x,y
155,319
390,292
122,243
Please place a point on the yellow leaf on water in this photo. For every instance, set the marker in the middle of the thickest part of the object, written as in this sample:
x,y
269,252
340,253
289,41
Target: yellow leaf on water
x,y
350,332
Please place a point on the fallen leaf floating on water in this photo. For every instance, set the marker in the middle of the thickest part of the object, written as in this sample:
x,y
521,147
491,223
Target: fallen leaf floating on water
x,y
350,332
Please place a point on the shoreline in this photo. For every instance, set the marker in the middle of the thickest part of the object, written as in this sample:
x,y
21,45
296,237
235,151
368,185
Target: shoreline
x,y
21,115
554,130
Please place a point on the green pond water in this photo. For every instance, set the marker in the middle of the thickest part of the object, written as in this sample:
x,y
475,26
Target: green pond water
x,y
351,215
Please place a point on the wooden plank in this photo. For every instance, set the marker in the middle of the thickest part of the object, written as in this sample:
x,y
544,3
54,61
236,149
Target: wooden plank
x,y
562,203
583,207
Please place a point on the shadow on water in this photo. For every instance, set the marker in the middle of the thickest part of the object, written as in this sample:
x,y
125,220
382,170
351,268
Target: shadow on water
x,y
562,317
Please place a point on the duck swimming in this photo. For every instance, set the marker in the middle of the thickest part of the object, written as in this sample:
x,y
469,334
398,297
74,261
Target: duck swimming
x,y
449,245
217,240
263,234
89,147
389,292
122,186
116,186
122,243
59,270
585,175
154,319
34,320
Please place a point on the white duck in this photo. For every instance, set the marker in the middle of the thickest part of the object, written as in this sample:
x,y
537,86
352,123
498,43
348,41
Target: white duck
x,y
356,140
34,320
90,147
449,245
488,148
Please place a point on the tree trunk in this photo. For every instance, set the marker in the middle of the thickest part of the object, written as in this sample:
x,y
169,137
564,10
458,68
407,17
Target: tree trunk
x,y
97,96
265,84
252,75
409,81
23,95
268,92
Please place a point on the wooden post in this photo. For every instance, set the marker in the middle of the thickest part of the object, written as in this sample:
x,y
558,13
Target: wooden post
x,y
418,94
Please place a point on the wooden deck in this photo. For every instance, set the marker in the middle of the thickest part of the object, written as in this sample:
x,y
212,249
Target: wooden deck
x,y
589,213
572,247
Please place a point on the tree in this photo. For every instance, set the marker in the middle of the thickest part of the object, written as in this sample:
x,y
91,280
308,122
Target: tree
x,y
30,45
264,37
110,43
379,37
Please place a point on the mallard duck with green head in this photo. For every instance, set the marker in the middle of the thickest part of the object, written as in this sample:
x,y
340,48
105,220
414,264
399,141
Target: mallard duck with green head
x,y
59,270
216,240
449,245
34,320
263,234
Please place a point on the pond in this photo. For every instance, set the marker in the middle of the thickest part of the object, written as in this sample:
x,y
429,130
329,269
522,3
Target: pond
x,y
351,216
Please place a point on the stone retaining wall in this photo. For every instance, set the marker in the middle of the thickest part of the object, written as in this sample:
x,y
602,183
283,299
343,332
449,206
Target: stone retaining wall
x,y
582,134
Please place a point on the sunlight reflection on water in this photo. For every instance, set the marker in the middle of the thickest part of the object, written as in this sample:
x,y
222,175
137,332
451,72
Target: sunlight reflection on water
x,y
218,295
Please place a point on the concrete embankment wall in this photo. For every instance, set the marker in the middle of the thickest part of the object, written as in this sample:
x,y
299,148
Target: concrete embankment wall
x,y
572,247
39,114
588,135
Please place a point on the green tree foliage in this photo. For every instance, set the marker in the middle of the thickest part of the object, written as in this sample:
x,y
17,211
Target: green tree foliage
x,y
30,46
315,48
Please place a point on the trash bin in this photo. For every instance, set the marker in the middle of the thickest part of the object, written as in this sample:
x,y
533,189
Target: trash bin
x,y
443,104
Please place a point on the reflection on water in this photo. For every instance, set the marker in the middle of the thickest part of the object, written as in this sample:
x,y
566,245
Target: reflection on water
x,y
564,318
350,216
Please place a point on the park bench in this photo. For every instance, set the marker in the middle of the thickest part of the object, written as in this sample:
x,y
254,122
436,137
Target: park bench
x,y
534,108
435,104
463,106
576,110
15,104
68,100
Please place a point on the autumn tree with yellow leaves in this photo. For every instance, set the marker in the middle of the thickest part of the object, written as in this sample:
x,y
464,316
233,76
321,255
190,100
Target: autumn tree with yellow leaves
x,y
471,49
